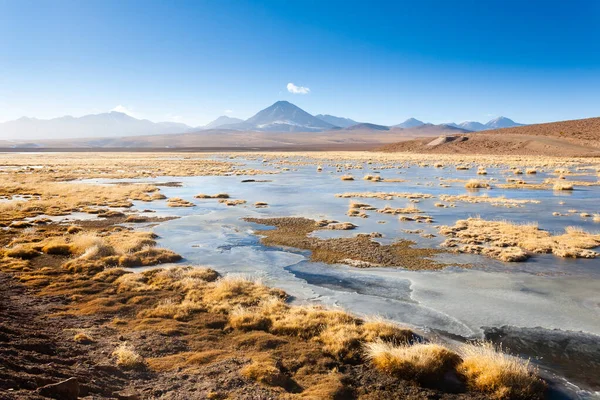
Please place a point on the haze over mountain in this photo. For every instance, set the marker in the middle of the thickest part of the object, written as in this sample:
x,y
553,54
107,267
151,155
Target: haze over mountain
x,y
222,120
337,121
282,116
111,124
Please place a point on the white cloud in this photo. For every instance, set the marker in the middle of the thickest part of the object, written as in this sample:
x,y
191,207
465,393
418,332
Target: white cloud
x,y
297,89
124,110
228,111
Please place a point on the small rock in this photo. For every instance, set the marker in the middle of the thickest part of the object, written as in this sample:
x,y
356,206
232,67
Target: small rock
x,y
65,390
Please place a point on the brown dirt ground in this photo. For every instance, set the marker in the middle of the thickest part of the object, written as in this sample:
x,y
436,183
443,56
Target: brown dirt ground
x,y
565,138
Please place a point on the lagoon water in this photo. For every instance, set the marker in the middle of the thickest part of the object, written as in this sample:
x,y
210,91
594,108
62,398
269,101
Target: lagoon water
x,y
546,291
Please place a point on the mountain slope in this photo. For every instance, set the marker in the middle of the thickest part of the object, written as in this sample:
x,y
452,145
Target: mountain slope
x,y
367,126
502,122
565,138
112,124
222,120
336,121
496,123
284,116
410,123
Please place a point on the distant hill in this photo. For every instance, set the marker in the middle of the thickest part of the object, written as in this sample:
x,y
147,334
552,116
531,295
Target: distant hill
x,y
222,120
336,121
496,123
367,126
112,124
565,138
473,126
410,123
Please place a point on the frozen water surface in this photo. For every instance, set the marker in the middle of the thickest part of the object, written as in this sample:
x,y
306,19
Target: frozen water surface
x,y
546,291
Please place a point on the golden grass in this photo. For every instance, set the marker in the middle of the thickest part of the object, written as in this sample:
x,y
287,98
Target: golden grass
x,y
308,321
409,209
265,372
476,184
372,178
562,186
420,362
347,178
494,201
83,338
232,202
179,202
22,251
127,358
498,374
213,196
510,242
384,195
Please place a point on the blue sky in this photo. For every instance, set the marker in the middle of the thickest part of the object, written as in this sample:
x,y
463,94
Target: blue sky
x,y
382,62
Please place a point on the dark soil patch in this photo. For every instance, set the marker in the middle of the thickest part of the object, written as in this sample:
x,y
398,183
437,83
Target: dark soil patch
x,y
359,251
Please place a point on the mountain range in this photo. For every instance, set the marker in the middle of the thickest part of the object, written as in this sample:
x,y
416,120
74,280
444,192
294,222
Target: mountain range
x,y
282,116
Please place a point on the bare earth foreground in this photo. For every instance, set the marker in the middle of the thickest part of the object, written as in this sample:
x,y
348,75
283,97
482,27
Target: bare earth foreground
x,y
78,321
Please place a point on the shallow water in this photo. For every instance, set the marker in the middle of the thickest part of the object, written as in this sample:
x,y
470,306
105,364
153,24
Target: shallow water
x,y
545,291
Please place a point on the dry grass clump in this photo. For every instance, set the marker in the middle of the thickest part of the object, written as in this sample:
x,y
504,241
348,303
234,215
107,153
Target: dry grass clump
x,y
148,256
127,357
342,341
510,242
213,196
129,282
596,218
347,178
372,178
481,171
261,204
340,226
357,213
179,202
172,308
531,171
232,202
266,372
181,278
562,186
409,209
22,251
476,184
73,229
136,219
233,290
498,374
421,362
378,328
248,319
83,338
384,195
